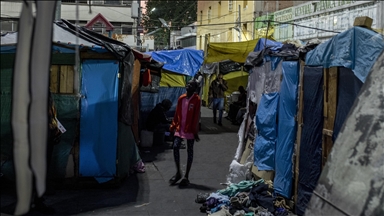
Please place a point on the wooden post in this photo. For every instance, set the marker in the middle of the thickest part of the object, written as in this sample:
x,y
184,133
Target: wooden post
x,y
136,99
299,119
330,102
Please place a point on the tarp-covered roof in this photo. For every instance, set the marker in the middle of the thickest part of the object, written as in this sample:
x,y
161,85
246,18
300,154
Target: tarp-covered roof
x,y
182,61
235,51
357,48
274,45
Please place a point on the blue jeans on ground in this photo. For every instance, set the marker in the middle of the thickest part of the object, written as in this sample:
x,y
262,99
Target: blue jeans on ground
x,y
218,104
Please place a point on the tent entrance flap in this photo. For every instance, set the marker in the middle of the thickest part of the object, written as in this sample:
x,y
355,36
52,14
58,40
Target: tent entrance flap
x,y
98,119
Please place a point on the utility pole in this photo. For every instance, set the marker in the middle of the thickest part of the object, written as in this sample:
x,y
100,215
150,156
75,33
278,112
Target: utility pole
x,y
138,40
58,10
240,27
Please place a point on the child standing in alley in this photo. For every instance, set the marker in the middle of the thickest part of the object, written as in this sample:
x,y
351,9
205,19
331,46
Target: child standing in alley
x,y
185,124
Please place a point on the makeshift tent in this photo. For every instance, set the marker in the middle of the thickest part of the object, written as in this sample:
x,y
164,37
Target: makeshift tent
x,y
234,51
352,180
342,64
318,96
96,99
179,66
226,58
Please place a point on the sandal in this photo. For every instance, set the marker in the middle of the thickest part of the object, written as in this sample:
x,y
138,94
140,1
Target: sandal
x,y
184,182
174,179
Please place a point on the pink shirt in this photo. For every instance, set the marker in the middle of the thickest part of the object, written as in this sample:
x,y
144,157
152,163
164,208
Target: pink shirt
x,y
181,133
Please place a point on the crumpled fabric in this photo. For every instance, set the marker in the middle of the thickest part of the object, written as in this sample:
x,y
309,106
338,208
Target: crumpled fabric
x,y
260,211
223,211
220,197
139,167
233,189
260,196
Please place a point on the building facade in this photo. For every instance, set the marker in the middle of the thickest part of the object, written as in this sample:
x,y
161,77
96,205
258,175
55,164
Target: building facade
x,y
232,21
332,16
117,12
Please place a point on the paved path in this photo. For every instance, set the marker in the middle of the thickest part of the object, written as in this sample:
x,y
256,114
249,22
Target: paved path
x,y
149,194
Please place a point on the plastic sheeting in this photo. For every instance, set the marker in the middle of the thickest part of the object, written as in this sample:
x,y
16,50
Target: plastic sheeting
x,y
311,136
172,80
149,101
273,45
235,51
286,129
357,48
264,148
98,119
264,80
183,61
348,87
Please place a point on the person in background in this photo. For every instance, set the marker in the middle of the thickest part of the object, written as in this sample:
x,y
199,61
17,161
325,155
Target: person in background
x,y
235,106
199,90
185,125
216,91
157,119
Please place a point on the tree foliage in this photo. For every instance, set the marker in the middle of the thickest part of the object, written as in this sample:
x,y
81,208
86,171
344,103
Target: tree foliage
x,y
177,14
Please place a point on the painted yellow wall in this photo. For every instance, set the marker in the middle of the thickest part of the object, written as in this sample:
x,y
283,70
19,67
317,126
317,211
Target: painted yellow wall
x,y
220,13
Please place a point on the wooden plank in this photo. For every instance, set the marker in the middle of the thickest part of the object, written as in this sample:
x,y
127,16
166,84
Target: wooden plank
x,y
299,119
70,79
63,78
54,79
330,102
136,99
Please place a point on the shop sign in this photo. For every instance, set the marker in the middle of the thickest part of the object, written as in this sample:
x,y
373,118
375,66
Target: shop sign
x,y
312,7
337,20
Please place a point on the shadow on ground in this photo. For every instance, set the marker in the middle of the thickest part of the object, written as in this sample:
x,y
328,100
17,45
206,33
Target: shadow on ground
x,y
78,197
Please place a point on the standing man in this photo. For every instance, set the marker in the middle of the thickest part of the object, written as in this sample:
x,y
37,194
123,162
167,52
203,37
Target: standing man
x,y
185,126
216,91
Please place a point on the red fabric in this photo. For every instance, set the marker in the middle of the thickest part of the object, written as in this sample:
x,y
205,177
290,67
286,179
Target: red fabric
x,y
193,114
147,77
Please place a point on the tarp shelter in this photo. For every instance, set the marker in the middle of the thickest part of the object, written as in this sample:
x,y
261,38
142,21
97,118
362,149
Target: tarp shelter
x,y
227,58
234,51
179,66
322,90
95,99
341,65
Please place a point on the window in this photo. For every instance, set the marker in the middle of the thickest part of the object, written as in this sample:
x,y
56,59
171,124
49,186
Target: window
x,y
98,27
209,14
126,29
62,79
112,2
230,5
245,27
245,4
8,26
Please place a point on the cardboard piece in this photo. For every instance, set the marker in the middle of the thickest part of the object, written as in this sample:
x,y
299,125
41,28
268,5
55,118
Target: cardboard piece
x,y
363,21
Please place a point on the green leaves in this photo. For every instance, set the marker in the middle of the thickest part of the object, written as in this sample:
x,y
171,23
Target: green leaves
x,y
177,14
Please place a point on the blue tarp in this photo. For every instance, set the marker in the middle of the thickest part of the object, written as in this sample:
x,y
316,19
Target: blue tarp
x,y
357,48
286,129
183,61
98,119
149,100
265,143
274,45
348,87
311,136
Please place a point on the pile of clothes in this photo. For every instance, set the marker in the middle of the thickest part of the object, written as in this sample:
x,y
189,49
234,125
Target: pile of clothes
x,y
247,198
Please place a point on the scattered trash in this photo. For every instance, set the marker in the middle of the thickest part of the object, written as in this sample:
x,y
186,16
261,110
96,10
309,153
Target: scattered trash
x,y
144,204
